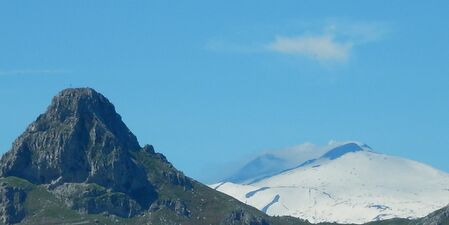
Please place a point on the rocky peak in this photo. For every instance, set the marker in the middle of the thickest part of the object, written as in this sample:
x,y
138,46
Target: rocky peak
x,y
85,106
79,139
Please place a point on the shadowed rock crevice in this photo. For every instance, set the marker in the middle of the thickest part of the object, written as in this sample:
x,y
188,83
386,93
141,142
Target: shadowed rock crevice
x,y
12,200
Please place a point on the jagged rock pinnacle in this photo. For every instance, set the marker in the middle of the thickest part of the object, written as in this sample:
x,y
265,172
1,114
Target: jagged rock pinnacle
x,y
87,105
79,139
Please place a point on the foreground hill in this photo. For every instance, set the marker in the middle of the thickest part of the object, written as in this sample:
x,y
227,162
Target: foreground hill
x,y
78,163
348,184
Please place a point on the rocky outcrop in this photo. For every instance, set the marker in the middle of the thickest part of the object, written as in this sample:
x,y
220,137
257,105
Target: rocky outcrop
x,y
12,201
80,139
176,206
241,217
440,217
92,198
178,178
161,170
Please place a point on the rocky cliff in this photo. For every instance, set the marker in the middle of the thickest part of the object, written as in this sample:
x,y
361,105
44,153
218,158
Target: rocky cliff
x,y
81,139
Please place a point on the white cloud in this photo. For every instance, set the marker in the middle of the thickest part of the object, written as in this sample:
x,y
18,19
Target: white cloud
x,y
321,47
333,42
329,41
298,154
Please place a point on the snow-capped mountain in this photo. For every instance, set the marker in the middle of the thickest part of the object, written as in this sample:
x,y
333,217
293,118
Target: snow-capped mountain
x,y
274,162
348,184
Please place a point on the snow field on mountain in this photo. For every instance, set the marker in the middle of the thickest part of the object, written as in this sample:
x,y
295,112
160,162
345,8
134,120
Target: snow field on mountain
x,y
356,187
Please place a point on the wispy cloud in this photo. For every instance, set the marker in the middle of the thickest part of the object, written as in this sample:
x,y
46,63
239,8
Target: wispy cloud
x,y
321,47
32,72
329,41
334,42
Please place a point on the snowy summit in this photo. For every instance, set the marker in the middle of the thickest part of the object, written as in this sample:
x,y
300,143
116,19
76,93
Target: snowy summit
x,y
350,183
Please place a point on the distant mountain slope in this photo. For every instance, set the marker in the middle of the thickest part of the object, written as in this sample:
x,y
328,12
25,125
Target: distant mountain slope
x,y
78,163
262,166
348,184
274,162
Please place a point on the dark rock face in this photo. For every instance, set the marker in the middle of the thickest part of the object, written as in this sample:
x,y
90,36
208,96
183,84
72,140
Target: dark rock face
x,y
80,139
11,204
177,178
177,206
240,217
440,217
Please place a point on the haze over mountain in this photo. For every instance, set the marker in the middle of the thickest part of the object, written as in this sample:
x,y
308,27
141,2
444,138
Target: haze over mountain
x,y
350,183
272,162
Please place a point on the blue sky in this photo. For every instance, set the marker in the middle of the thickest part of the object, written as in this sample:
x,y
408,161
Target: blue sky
x,y
211,83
